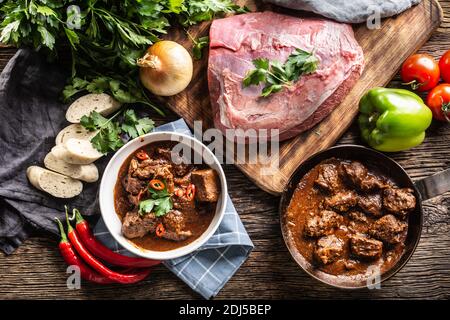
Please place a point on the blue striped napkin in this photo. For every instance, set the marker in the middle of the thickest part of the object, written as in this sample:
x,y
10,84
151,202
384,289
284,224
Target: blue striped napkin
x,y
210,267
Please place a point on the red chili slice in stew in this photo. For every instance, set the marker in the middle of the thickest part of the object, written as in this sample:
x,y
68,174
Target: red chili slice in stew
x,y
160,230
142,155
157,184
190,192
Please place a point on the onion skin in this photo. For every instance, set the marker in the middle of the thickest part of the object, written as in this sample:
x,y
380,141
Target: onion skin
x,y
166,69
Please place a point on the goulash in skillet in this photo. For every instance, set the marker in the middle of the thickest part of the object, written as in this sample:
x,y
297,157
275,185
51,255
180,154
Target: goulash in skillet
x,y
163,202
345,217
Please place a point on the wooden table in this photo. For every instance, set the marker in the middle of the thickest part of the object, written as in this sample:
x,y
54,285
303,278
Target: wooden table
x,y
37,271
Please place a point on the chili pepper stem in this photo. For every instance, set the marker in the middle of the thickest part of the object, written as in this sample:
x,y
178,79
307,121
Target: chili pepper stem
x,y
69,226
61,230
78,217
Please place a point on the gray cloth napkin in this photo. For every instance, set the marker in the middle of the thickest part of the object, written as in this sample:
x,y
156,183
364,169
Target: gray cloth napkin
x,y
31,115
349,11
210,267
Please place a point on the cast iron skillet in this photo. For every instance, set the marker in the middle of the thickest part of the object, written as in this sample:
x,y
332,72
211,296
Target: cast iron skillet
x,y
423,190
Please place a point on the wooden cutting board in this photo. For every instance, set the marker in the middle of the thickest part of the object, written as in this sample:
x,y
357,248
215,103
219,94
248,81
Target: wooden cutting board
x,y
385,49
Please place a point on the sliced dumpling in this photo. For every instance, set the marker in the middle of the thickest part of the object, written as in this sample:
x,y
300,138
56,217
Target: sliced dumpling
x,y
83,172
76,131
76,151
55,184
100,102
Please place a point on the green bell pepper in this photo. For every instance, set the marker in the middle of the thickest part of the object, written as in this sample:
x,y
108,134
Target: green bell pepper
x,y
393,119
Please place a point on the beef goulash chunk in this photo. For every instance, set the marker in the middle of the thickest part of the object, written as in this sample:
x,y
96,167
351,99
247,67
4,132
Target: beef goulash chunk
x,y
358,216
389,229
180,166
371,203
358,223
399,201
206,184
342,201
135,226
174,224
359,176
322,224
329,249
328,178
366,248
237,40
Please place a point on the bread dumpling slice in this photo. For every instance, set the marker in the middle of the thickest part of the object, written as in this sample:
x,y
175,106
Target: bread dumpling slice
x,y
76,131
101,102
83,172
76,151
59,151
55,184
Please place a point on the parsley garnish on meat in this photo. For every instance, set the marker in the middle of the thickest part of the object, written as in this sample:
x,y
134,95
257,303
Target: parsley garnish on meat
x,y
108,138
160,203
276,76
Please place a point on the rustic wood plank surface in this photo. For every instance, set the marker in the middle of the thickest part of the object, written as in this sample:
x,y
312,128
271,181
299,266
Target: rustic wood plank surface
x,y
37,271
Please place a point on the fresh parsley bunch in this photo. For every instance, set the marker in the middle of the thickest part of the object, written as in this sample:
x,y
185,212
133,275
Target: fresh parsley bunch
x,y
105,37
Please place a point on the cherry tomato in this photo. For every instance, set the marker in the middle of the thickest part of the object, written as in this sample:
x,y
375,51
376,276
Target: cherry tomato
x,y
438,101
420,71
157,184
444,66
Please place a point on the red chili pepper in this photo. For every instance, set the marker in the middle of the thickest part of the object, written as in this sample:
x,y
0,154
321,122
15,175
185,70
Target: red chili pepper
x,y
72,259
190,192
157,184
103,252
98,266
160,230
142,155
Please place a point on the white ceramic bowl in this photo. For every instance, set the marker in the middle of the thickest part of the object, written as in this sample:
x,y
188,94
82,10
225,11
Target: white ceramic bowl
x,y
110,176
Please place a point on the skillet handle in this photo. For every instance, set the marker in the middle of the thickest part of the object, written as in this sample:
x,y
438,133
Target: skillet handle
x,y
434,185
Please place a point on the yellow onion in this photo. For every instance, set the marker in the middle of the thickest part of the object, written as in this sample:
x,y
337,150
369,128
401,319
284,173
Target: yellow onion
x,y
166,68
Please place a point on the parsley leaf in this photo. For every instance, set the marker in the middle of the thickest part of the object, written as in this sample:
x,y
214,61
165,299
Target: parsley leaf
x,y
147,206
300,62
203,10
135,127
94,121
108,138
164,205
276,76
199,44
254,77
